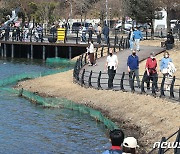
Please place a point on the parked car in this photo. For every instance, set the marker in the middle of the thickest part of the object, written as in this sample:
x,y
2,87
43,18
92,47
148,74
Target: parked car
x,y
77,25
127,25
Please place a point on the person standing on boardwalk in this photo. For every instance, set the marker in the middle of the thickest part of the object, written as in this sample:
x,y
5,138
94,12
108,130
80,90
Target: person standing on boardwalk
x,y
165,63
131,39
91,53
151,71
106,34
99,31
133,69
90,31
111,65
137,37
116,137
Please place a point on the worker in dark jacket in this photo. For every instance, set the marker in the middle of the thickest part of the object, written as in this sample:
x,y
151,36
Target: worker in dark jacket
x,y
169,43
133,69
105,31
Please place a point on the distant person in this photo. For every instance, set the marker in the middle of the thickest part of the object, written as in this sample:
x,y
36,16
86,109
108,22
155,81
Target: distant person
x,y
90,31
116,137
53,31
105,31
130,145
83,34
91,53
18,34
167,69
111,65
99,31
151,73
137,37
133,69
131,39
169,43
14,33
40,32
7,30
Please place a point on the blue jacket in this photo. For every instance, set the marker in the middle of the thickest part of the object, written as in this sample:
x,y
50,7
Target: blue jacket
x,y
164,63
106,31
137,34
112,152
133,62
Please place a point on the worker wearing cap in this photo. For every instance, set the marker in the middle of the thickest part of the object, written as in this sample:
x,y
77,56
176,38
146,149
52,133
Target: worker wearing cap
x,y
130,145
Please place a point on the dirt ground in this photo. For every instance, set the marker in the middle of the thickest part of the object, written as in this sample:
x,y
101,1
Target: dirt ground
x,y
151,117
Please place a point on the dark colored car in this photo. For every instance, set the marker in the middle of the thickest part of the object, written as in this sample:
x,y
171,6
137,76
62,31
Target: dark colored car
x,y
76,26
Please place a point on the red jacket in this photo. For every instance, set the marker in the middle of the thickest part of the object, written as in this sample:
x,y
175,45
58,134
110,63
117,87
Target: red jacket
x,y
151,65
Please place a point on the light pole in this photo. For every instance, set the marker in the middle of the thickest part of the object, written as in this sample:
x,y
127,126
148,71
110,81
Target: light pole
x,y
106,12
70,14
109,17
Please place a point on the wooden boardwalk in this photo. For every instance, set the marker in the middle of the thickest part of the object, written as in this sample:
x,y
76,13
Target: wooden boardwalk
x,y
122,67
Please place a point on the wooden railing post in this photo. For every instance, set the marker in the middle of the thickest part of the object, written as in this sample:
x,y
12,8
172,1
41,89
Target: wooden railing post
x,y
179,94
82,77
122,82
89,81
162,87
85,58
99,81
161,150
77,36
172,88
96,53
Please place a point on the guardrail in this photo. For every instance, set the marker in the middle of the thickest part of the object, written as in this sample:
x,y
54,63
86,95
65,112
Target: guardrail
x,y
70,36
165,145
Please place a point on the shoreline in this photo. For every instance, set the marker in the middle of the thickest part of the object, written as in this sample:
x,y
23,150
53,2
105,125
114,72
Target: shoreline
x,y
139,124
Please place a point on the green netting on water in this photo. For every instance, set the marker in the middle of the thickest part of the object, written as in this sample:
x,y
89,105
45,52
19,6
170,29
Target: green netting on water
x,y
60,62
16,78
53,102
58,102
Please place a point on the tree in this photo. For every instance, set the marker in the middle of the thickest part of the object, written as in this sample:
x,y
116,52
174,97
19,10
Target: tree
x,y
142,11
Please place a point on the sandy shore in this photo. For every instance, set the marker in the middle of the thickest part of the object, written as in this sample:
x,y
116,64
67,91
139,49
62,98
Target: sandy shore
x,y
149,118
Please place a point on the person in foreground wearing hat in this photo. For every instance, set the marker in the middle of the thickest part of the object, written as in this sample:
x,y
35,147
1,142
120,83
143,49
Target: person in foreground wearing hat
x,y
151,71
129,145
111,65
116,137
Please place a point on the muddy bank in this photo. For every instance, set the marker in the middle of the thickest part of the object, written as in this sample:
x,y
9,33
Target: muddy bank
x,y
151,118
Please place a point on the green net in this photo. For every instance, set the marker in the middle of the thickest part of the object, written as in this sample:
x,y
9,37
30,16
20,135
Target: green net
x,y
53,102
16,78
63,103
55,62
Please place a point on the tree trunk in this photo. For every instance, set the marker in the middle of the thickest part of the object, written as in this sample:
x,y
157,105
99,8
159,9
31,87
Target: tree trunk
x,y
152,30
123,24
168,20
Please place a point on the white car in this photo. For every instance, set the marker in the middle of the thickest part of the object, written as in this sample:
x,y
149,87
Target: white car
x,y
127,26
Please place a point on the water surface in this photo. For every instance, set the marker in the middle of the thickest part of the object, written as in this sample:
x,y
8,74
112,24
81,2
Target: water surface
x,y
28,128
